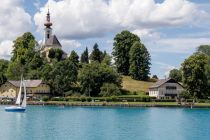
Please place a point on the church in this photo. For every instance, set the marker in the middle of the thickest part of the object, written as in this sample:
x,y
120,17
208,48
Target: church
x,y
50,41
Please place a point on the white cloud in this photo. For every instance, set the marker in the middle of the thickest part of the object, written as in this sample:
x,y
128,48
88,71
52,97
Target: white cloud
x,y
166,68
69,45
14,21
147,34
178,45
6,49
89,18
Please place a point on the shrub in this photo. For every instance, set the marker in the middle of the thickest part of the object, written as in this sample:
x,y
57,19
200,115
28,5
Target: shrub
x,y
89,99
185,94
110,89
189,100
45,98
135,93
165,100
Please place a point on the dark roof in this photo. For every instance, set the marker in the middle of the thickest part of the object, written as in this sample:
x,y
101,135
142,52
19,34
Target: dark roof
x,y
52,41
29,83
163,81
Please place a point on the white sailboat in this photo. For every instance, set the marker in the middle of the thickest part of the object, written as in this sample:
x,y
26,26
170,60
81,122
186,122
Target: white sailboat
x,y
20,106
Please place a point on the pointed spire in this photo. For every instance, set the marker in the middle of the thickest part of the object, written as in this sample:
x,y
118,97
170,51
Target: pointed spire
x,y
48,23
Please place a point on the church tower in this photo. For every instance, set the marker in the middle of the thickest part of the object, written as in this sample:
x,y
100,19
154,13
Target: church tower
x,y
48,29
50,41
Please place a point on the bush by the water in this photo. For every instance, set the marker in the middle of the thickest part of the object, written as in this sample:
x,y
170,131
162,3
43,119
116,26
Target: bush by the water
x,y
164,100
45,98
110,89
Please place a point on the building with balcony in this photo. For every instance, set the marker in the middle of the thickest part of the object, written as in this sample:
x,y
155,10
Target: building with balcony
x,y
166,89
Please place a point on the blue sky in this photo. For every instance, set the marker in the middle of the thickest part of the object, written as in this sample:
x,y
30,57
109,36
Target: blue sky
x,y
171,30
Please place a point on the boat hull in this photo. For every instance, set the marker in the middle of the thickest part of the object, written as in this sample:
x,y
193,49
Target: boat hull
x,y
15,109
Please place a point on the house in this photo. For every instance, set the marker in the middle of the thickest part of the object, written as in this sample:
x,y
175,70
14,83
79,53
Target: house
x,y
165,89
34,88
50,40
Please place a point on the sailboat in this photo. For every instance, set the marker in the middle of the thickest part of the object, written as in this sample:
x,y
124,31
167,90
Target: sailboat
x,y
20,106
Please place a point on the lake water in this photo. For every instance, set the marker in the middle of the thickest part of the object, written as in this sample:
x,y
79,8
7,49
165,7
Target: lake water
x,y
101,123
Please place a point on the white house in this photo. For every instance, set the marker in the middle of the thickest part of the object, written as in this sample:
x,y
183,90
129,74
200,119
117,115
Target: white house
x,y
166,89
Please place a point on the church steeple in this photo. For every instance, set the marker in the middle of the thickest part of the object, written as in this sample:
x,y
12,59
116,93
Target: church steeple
x,y
48,29
48,24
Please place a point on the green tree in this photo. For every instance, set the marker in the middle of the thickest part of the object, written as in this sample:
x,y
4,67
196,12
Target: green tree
x,y
51,53
155,77
62,76
55,54
204,49
74,57
139,62
3,78
36,61
96,54
176,75
23,48
24,57
92,76
110,89
15,69
194,75
58,54
46,72
3,65
85,56
122,44
107,60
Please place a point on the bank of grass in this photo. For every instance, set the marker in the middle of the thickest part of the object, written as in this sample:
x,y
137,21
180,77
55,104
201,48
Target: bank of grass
x,y
112,103
140,87
123,104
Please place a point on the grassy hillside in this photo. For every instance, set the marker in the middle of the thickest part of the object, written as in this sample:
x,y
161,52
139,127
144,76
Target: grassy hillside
x,y
133,85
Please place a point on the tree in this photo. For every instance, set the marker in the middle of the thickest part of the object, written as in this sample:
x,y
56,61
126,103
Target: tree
x,y
74,58
204,49
155,77
36,62
3,78
176,75
139,62
15,70
25,58
194,75
107,60
122,44
92,76
110,90
3,65
51,53
96,54
55,54
58,54
23,48
85,56
62,76
46,72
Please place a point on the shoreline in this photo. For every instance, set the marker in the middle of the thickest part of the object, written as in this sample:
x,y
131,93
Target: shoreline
x,y
114,104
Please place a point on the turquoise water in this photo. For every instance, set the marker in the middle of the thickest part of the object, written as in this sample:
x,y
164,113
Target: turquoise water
x,y
86,123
